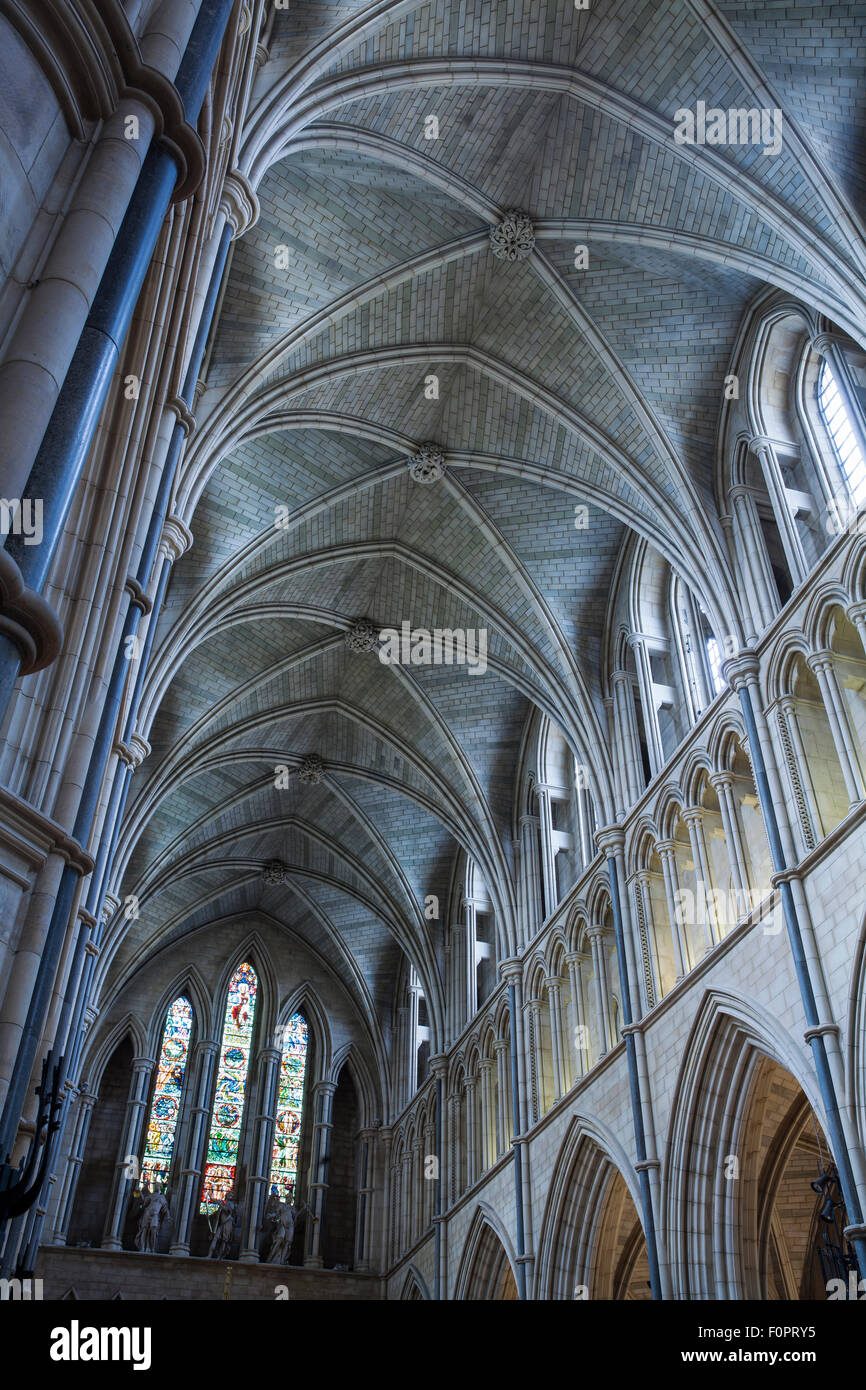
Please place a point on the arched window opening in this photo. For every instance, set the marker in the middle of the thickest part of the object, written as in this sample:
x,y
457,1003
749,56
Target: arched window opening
x,y
165,1106
839,427
290,1107
231,1085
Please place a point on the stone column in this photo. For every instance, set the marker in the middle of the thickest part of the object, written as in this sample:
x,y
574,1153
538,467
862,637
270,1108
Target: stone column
x,y
580,1039
78,1143
694,821
765,451
857,615
457,1156
416,1192
530,860
457,974
723,785
471,996
485,1066
500,1047
646,685
821,663
548,866
628,740
530,855
599,963
471,1146
651,974
323,1102
668,855
387,1234
193,1160
404,1239
751,554
130,1145
401,1031
555,1009
261,1153
412,1050
536,1064
364,1204
794,756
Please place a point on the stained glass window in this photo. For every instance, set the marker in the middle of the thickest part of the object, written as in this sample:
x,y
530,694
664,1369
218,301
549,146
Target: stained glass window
x,y
231,1085
165,1109
290,1099
844,440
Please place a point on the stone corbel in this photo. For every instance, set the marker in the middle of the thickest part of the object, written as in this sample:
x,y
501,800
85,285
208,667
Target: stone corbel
x,y
239,203
27,619
176,538
182,413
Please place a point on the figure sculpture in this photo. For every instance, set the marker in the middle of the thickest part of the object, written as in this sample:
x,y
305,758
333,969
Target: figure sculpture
x,y
154,1208
284,1230
223,1228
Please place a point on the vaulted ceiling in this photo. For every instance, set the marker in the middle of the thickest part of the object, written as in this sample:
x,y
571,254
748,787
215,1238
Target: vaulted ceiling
x,y
557,386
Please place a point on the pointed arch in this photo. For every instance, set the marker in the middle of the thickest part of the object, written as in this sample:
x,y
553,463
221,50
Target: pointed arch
x,y
708,1122
486,1271
414,1286
589,1159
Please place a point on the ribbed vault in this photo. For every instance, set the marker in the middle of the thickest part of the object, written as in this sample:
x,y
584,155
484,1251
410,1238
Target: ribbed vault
x,y
557,387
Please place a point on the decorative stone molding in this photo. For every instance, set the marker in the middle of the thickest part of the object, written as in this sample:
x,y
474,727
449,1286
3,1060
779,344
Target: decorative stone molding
x,y
428,464
27,620
741,669
92,68
275,873
514,238
239,203
182,413
823,342
139,748
311,769
361,635
176,538
138,598
610,839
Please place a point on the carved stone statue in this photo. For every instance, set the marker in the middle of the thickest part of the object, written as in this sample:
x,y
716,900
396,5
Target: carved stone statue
x,y
154,1209
223,1228
284,1230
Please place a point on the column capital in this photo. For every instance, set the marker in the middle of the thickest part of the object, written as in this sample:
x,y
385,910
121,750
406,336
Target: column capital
x,y
238,203
143,1064
511,969
761,443
610,839
823,342
575,957
438,1065
176,538
740,491
741,669
819,661
182,414
596,932
693,815
665,847
721,779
